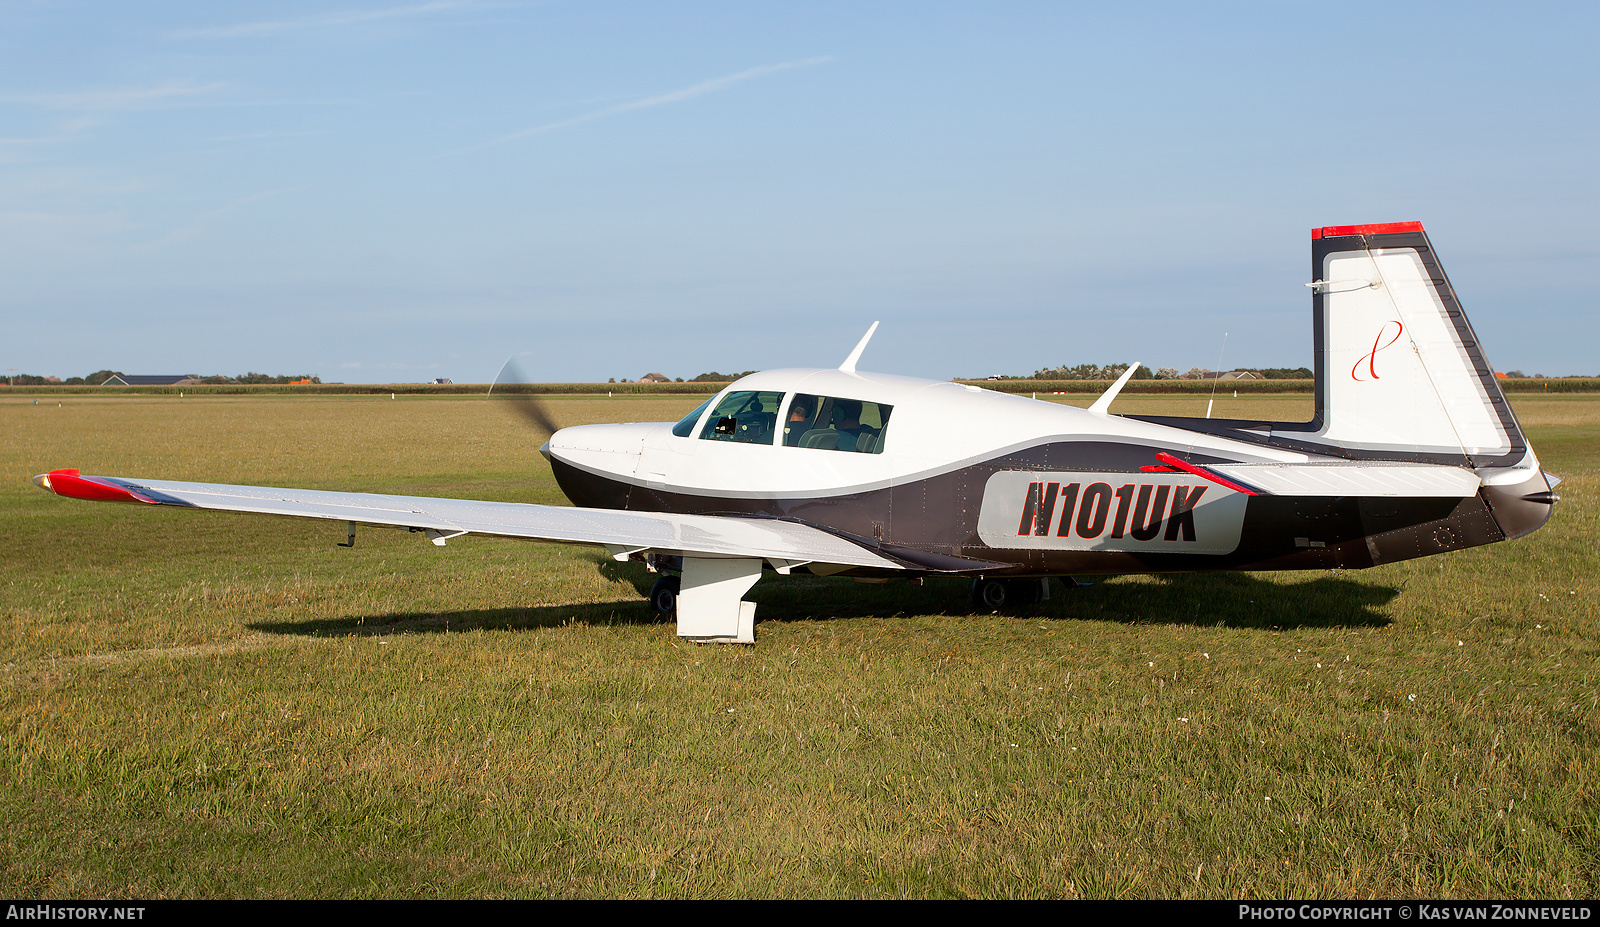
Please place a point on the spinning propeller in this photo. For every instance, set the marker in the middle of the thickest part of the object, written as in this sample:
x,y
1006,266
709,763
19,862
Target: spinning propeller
x,y
525,403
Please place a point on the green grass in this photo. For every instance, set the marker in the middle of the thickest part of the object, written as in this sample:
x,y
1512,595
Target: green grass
x,y
208,705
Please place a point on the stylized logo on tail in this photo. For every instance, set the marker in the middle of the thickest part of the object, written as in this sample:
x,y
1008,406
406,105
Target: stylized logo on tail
x,y
1371,358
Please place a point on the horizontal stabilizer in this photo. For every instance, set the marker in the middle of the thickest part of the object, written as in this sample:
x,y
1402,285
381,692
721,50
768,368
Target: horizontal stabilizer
x,y
1370,479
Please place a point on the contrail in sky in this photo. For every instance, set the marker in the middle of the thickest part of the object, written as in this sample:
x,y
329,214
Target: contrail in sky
x,y
660,99
112,99
340,18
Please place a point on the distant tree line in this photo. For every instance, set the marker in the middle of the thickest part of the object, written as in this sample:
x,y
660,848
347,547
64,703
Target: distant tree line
x,y
1265,373
253,377
714,377
1108,372
29,379
1113,371
99,377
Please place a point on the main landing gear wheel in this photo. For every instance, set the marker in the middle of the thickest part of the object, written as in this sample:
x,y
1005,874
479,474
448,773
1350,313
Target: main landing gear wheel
x,y
664,595
996,594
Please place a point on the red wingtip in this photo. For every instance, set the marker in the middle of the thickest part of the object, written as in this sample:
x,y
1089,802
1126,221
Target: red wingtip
x,y
1380,228
69,483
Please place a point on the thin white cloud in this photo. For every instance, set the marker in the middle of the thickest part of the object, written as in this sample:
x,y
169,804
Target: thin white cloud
x,y
112,99
51,182
324,20
660,99
257,136
391,365
57,232
17,149
34,140
195,226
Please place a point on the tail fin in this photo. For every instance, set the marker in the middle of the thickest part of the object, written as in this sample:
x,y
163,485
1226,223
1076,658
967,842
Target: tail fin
x,y
1400,374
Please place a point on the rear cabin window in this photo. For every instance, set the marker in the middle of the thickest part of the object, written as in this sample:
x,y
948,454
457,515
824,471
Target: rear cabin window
x,y
832,424
745,417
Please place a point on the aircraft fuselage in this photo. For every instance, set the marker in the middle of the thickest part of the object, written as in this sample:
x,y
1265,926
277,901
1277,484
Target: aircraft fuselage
x,y
970,480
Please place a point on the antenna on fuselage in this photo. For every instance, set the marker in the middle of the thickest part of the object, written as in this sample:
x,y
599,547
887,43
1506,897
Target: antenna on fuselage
x,y
1103,404
849,365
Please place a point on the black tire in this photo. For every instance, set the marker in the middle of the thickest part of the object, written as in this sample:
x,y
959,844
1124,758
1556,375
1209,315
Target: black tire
x,y
1025,591
1000,594
664,595
992,594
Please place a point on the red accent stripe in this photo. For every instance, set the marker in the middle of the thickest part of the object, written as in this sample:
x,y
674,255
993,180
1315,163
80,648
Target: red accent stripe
x,y
1381,228
68,483
1203,474
1159,469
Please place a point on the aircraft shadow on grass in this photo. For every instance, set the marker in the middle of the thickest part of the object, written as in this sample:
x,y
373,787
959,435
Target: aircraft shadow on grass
x,y
1232,600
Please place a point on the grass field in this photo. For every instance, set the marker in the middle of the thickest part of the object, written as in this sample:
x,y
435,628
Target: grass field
x,y
209,705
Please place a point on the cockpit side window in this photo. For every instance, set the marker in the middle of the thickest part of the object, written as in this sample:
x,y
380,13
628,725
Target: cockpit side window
x,y
833,424
685,428
745,417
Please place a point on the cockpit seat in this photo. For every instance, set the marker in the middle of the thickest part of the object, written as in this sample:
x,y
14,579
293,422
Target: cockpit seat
x,y
824,438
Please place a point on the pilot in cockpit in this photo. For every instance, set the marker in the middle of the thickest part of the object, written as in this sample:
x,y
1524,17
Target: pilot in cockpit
x,y
853,436
799,421
755,423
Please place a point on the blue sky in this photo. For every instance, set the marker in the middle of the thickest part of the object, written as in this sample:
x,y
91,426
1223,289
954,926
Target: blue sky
x,y
395,191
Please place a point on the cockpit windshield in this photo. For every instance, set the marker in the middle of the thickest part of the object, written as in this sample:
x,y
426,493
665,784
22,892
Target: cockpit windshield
x,y
685,427
744,417
833,424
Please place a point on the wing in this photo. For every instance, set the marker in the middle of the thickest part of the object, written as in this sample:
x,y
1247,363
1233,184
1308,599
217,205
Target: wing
x,y
784,544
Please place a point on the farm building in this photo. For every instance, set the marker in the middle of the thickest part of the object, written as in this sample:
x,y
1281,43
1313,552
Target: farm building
x,y
1224,376
162,380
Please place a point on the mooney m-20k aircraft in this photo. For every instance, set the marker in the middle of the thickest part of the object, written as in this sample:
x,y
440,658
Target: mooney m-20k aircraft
x,y
1412,450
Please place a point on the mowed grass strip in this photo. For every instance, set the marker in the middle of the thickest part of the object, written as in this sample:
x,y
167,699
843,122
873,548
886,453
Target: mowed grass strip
x,y
209,705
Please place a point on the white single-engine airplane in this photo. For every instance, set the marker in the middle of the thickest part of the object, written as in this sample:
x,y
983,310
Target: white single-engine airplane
x,y
1413,450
